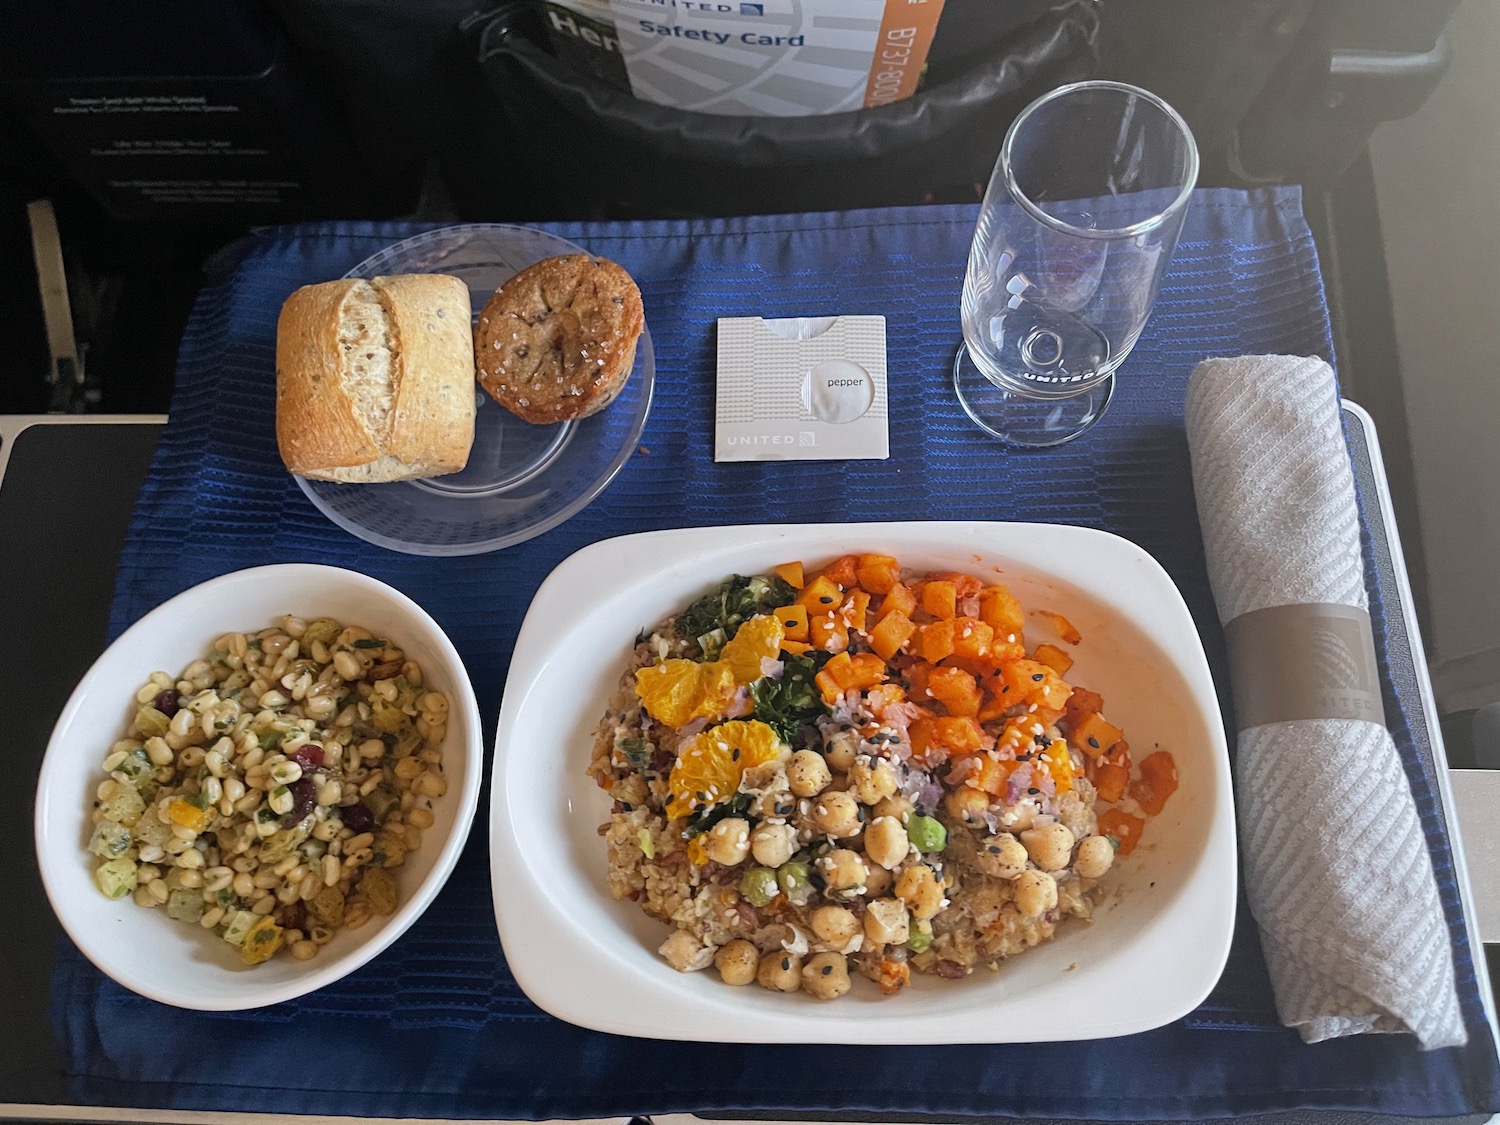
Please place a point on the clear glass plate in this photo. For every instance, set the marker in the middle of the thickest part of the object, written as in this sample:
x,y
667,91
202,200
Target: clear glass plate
x,y
521,479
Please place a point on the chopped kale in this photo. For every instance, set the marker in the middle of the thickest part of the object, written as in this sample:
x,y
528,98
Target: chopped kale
x,y
636,752
737,805
733,603
790,702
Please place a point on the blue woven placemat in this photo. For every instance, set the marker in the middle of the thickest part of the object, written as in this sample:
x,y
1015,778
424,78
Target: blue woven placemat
x,y
436,1026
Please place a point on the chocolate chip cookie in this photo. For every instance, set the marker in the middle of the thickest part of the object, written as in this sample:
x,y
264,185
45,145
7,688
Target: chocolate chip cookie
x,y
557,341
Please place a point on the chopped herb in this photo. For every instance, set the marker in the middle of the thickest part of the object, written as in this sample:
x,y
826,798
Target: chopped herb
x,y
369,643
735,806
732,604
789,703
635,752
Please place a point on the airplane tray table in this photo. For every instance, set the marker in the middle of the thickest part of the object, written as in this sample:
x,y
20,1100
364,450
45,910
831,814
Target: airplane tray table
x,y
435,1027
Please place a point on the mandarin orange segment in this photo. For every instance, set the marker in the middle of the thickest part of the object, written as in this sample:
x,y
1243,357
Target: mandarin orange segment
x,y
709,765
676,692
757,639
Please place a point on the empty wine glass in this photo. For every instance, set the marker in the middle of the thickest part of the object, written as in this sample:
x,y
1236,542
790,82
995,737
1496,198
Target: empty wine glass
x,y
1076,230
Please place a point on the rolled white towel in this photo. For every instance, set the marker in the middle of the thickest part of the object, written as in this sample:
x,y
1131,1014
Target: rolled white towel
x,y
1337,870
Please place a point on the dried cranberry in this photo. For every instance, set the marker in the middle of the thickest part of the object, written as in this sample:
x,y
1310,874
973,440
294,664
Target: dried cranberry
x,y
293,915
309,757
167,702
358,818
304,800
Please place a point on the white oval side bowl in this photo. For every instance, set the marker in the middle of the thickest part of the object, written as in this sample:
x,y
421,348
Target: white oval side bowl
x,y
186,966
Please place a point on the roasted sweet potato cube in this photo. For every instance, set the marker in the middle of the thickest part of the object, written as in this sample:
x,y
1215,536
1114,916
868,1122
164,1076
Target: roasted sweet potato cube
x,y
891,634
821,595
831,680
1054,658
953,734
793,620
1157,782
827,632
898,599
877,573
994,704
971,638
790,573
844,570
1001,611
853,611
865,671
1110,781
935,641
940,598
1122,828
796,648
991,775
955,689
964,585
1094,736
1034,682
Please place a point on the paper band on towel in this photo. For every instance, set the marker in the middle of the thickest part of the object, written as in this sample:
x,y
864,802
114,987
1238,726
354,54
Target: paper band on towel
x,y
1293,662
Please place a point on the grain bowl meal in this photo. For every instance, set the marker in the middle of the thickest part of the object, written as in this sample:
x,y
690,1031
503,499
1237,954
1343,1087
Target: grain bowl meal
x,y
267,793
862,771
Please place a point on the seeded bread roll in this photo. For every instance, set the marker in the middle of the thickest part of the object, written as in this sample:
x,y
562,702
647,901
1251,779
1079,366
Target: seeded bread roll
x,y
375,379
557,341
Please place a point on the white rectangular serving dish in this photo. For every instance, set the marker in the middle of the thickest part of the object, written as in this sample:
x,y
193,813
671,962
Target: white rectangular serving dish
x,y
1155,947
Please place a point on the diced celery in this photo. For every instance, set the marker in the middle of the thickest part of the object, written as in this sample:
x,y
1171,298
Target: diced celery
x,y
277,847
151,829
116,878
238,926
121,803
386,715
381,801
185,905
149,721
136,767
110,840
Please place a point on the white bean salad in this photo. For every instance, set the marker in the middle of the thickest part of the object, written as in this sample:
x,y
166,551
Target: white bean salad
x,y
267,792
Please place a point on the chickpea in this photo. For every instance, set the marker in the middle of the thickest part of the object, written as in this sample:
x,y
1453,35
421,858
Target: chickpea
x,y
773,844
808,773
886,922
898,808
780,972
825,976
728,842
1095,856
737,961
872,779
834,925
837,814
878,881
886,842
1036,893
684,952
919,888
968,805
841,749
843,872
1002,856
1049,845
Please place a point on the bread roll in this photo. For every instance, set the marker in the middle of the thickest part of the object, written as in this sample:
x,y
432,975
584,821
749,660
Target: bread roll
x,y
557,341
375,379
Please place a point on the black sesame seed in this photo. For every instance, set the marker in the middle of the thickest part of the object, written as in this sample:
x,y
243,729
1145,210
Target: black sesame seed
x,y
827,969
1094,742
826,600
786,963
1039,677
1005,689
994,850
1033,791
734,756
